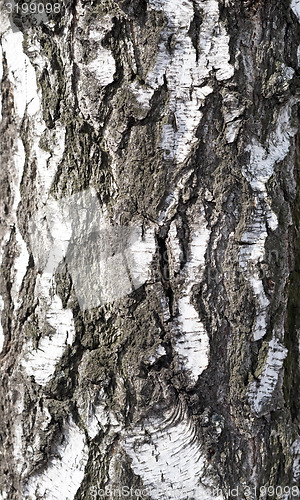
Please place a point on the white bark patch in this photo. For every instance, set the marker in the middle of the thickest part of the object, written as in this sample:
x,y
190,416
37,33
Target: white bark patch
x,y
18,429
160,351
20,267
193,343
27,98
185,75
95,416
106,262
139,256
21,261
64,474
21,74
97,276
296,462
232,109
103,67
41,361
295,6
47,163
171,202
94,412
298,55
21,78
166,454
258,172
261,393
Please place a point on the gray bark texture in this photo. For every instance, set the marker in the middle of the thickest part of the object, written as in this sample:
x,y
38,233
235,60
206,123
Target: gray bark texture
x,y
150,249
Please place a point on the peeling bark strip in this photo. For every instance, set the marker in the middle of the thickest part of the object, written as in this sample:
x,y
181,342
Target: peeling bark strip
x,y
149,250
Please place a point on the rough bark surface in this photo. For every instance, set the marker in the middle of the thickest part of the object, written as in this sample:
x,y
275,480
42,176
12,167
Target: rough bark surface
x,y
170,127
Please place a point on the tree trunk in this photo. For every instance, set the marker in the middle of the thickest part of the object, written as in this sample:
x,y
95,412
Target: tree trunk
x,y
150,250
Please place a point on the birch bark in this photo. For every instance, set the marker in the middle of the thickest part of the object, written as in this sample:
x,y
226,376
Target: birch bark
x,y
149,227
